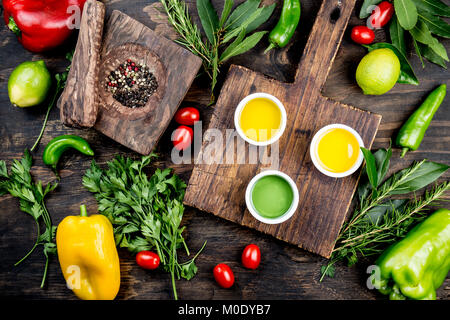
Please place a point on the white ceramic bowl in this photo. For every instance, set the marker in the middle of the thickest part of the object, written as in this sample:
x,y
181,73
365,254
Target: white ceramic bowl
x,y
315,158
241,105
249,202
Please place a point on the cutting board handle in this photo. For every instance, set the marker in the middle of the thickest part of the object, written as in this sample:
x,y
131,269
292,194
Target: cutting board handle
x,y
323,43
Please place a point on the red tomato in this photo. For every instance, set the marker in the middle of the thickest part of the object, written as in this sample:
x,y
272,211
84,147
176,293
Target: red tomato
x,y
223,275
381,15
182,137
147,260
187,116
362,35
251,256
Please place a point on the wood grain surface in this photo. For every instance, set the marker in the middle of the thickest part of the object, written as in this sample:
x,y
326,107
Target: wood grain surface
x,y
286,272
78,103
173,66
220,187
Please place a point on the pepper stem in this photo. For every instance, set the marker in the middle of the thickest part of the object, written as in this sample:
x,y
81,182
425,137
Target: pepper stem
x,y
404,151
83,211
13,26
270,47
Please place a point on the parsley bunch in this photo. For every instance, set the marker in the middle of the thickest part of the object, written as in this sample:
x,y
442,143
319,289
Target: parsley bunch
x,y
20,184
146,212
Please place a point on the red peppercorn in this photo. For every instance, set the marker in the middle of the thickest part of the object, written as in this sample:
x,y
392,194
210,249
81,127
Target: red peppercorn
x,y
133,64
136,69
109,84
129,67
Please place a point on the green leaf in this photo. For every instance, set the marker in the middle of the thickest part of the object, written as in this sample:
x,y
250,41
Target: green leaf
x,y
406,12
382,160
436,25
407,75
439,49
397,34
422,34
427,173
227,6
49,249
435,7
328,270
419,54
366,8
431,56
3,169
240,46
375,215
245,25
189,270
371,167
209,19
130,228
241,13
266,12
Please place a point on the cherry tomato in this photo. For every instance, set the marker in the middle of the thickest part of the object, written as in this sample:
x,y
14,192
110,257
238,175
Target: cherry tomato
x,y
251,256
182,137
187,116
362,35
381,15
147,260
223,275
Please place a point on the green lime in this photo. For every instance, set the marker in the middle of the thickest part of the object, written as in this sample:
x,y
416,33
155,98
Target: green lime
x,y
29,83
378,71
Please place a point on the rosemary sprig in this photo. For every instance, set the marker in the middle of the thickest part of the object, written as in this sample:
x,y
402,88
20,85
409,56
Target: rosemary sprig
x,y
190,37
218,46
380,220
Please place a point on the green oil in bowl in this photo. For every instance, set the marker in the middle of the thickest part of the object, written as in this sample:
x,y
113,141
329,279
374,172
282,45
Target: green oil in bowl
x,y
272,196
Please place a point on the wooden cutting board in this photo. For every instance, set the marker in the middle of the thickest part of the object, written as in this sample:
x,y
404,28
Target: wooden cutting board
x,y
324,201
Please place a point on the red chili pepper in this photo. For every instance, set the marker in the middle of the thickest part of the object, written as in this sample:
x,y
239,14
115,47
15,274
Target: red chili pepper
x,y
362,35
41,25
381,15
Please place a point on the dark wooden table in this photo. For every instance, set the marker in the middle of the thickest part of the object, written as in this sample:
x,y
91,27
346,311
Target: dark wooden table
x,y
286,272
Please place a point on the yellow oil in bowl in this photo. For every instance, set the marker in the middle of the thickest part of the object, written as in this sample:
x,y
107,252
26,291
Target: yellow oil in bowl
x,y
337,150
260,119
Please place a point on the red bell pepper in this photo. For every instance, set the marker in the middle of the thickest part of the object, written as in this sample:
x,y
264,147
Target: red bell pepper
x,y
41,25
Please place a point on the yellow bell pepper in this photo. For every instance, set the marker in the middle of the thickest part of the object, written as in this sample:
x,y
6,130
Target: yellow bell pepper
x,y
88,256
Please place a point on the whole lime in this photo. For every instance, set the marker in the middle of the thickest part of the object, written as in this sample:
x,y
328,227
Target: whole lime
x,y
378,71
29,83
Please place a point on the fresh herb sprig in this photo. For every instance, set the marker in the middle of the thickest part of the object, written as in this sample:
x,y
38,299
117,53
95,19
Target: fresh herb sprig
x,y
19,183
379,220
233,24
60,84
146,212
419,20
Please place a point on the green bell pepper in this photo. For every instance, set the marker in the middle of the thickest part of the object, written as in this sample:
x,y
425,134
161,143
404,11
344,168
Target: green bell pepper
x,y
418,264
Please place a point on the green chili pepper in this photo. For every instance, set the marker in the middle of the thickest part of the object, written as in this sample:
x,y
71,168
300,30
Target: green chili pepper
x,y
284,30
411,133
56,147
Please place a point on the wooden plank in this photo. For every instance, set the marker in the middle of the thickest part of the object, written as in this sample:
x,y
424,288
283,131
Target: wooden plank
x,y
324,201
173,66
296,272
79,101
